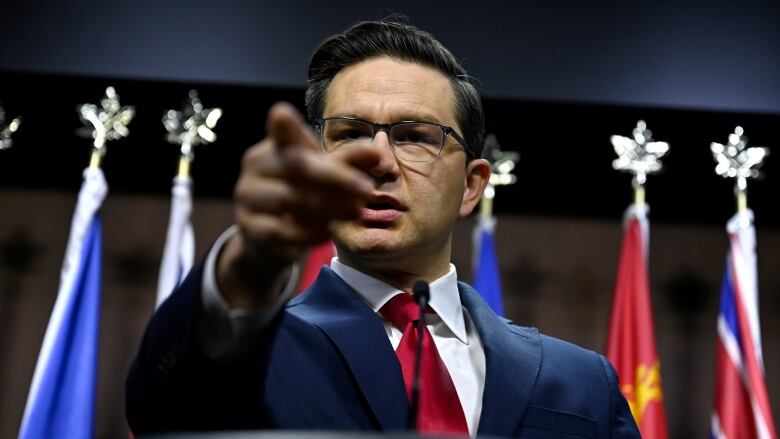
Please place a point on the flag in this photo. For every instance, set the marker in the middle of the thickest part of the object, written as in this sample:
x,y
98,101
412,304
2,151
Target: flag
x,y
179,252
741,404
61,401
631,341
318,256
487,279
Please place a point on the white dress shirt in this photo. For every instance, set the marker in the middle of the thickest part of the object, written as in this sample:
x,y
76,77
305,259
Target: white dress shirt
x,y
453,332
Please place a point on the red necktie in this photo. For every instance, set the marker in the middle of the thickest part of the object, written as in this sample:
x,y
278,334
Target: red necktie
x,y
439,406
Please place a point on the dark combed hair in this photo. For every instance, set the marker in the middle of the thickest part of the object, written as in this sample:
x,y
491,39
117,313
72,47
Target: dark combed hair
x,y
372,39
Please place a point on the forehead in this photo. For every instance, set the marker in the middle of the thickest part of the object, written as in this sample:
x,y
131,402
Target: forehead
x,y
386,90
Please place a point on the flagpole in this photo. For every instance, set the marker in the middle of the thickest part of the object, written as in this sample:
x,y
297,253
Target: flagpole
x,y
742,205
487,278
184,166
738,347
188,128
630,343
486,203
61,399
639,193
99,133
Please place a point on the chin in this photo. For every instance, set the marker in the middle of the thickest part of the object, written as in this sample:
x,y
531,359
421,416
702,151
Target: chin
x,y
364,241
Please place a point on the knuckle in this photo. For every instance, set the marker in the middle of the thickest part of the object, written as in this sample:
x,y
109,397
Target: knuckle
x,y
295,160
243,220
242,190
254,155
256,229
250,155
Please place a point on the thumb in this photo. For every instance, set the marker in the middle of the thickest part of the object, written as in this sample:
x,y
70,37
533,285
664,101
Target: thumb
x,y
286,126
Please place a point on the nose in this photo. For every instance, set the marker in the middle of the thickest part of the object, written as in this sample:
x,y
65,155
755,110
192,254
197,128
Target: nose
x,y
387,168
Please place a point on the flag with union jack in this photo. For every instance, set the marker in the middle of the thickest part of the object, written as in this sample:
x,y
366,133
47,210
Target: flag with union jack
x,y
741,407
631,340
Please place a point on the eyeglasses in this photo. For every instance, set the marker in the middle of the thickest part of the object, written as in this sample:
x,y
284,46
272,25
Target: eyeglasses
x,y
409,140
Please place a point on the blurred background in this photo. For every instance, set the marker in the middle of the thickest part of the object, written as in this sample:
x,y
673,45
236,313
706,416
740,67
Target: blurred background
x,y
557,79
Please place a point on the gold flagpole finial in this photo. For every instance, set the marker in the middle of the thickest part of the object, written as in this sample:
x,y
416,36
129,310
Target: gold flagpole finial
x,y
502,164
104,123
190,127
735,160
639,155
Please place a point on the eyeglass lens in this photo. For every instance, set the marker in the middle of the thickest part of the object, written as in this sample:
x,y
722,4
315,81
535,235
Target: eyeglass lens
x,y
414,141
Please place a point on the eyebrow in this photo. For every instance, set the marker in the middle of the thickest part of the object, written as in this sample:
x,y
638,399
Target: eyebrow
x,y
405,117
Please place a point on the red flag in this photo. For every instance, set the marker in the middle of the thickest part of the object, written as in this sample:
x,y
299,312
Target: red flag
x,y
631,340
318,256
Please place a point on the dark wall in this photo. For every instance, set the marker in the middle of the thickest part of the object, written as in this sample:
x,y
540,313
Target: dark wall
x,y
700,54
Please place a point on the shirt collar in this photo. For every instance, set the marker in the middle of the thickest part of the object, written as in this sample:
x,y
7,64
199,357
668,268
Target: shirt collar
x,y
445,298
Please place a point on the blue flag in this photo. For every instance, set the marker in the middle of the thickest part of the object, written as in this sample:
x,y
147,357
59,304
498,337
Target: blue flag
x,y
487,279
61,402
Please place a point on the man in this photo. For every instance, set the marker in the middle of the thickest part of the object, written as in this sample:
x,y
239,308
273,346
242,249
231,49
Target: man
x,y
393,164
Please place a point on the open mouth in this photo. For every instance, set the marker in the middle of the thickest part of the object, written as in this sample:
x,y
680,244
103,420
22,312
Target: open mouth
x,y
380,206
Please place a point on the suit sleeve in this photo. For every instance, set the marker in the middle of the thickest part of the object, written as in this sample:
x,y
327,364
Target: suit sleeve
x,y
221,327
622,424
173,384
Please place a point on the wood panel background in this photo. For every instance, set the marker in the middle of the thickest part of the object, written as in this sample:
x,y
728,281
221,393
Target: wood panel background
x,y
557,272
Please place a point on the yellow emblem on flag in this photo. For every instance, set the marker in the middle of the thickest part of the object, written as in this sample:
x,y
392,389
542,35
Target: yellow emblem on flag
x,y
645,389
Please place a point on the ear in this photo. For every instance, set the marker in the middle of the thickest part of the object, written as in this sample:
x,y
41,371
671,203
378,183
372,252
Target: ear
x,y
477,177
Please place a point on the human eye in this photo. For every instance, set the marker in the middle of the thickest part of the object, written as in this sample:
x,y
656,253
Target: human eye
x,y
339,132
417,134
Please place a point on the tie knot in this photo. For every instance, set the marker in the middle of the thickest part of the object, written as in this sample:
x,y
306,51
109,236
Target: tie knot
x,y
402,309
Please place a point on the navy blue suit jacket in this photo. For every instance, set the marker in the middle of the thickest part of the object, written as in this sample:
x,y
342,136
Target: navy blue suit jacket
x,y
326,363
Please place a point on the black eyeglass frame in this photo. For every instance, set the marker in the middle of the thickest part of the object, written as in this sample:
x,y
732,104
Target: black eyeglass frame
x,y
386,127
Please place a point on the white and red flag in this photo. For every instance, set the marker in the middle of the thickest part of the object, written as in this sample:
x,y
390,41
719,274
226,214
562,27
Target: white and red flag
x,y
741,407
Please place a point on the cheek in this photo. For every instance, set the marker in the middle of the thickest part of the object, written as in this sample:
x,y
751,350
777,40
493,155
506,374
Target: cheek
x,y
438,194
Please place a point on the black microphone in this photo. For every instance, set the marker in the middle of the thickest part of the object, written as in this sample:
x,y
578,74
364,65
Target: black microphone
x,y
422,294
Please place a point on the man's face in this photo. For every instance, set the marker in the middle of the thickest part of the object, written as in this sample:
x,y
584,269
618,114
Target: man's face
x,y
416,204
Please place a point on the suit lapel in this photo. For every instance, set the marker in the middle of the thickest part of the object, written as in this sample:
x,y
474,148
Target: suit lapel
x,y
359,335
513,358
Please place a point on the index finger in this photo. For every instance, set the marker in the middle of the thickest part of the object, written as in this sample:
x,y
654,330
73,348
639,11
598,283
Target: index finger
x,y
286,126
